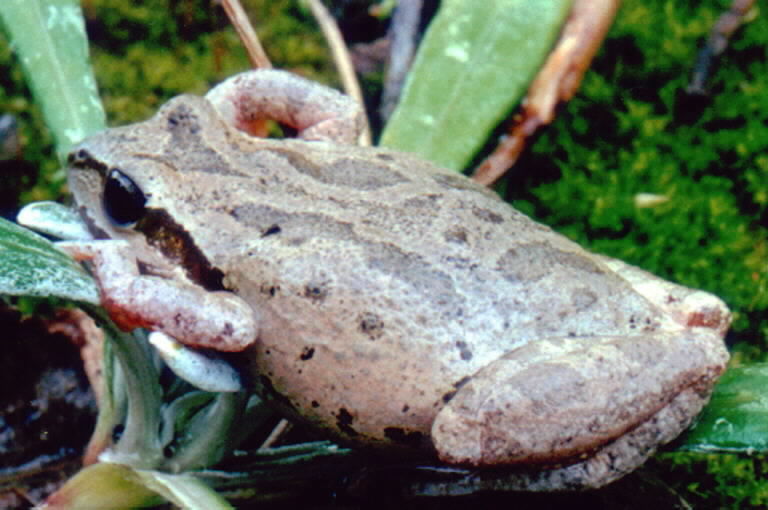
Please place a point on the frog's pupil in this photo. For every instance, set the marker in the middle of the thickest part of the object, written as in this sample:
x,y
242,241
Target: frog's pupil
x,y
124,202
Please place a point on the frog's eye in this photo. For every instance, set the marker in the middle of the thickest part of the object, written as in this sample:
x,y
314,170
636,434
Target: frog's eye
x,y
123,200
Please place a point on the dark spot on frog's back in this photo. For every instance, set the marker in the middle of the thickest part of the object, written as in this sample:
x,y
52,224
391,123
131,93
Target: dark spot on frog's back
x,y
363,174
411,268
534,261
267,390
398,435
182,121
187,151
307,353
344,422
271,230
269,289
349,172
582,298
291,225
456,235
426,204
464,351
461,183
486,215
371,324
456,387
316,291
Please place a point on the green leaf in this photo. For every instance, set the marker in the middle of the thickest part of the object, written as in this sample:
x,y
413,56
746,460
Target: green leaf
x,y
473,66
53,219
30,265
139,386
208,435
50,40
185,491
105,486
736,419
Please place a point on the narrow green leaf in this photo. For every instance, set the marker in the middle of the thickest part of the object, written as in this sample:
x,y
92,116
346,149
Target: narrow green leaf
x,y
736,419
139,445
185,491
30,265
473,66
50,40
177,414
207,436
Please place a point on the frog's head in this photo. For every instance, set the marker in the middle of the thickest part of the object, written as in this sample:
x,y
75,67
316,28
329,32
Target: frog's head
x,y
141,183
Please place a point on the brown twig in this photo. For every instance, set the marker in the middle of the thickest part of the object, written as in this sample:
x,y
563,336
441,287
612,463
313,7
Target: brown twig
x,y
558,80
250,40
404,33
341,58
281,428
716,43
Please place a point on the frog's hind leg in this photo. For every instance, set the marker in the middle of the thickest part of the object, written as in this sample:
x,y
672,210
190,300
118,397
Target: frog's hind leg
x,y
606,464
315,111
559,400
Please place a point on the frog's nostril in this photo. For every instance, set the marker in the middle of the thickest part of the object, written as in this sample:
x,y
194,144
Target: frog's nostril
x,y
79,156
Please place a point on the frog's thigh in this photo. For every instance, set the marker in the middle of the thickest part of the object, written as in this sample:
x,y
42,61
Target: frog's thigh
x,y
613,460
558,398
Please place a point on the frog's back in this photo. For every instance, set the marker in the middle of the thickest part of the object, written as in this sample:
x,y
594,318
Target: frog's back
x,y
397,232
375,268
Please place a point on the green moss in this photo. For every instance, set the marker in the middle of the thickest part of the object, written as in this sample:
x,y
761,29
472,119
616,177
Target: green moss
x,y
36,141
142,59
633,130
720,481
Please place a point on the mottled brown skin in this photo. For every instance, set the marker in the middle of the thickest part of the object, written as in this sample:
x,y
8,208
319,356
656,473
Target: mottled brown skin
x,y
401,306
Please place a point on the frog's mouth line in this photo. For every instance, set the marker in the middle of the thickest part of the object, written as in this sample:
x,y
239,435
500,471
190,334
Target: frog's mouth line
x,y
175,243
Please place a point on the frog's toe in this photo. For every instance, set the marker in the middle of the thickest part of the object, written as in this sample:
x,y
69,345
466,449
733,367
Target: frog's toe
x,y
535,407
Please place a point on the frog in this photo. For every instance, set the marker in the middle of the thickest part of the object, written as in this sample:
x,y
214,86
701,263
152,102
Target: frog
x,y
383,301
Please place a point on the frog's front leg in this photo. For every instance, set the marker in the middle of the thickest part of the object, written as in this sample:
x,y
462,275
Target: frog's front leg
x,y
559,400
317,112
182,310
